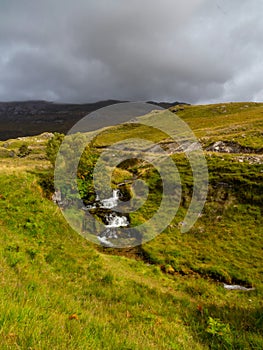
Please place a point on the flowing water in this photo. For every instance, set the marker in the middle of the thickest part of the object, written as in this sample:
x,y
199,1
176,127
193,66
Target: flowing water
x,y
113,221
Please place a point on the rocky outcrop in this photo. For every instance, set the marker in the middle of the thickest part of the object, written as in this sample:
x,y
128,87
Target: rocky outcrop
x,y
250,159
232,147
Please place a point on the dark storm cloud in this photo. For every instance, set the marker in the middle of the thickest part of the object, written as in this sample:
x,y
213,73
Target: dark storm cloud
x,y
86,50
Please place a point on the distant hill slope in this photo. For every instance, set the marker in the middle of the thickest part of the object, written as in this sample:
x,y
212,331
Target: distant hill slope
x,y
35,117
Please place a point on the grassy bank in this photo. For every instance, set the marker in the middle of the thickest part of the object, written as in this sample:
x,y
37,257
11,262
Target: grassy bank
x,y
59,291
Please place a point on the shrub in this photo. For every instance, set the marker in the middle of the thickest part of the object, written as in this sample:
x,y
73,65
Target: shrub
x,y
23,151
219,329
53,147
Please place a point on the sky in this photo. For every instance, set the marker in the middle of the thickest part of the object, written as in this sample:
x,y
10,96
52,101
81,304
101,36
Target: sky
x,y
195,51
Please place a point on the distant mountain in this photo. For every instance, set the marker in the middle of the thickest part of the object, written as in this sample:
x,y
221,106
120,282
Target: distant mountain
x,y
34,117
167,104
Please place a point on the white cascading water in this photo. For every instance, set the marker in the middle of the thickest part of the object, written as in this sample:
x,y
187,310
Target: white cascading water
x,y
103,238
116,221
107,203
115,194
112,202
113,220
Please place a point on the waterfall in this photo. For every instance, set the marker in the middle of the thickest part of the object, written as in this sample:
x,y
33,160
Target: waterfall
x,y
112,202
115,194
107,234
113,221
116,221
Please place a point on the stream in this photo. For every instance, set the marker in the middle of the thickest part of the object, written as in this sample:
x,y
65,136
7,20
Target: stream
x,y
114,222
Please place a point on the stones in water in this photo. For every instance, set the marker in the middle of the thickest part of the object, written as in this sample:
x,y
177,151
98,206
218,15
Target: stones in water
x,y
117,232
112,202
113,220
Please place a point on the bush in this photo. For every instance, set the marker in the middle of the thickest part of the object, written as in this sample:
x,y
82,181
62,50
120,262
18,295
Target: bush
x,y
46,181
219,330
53,147
23,151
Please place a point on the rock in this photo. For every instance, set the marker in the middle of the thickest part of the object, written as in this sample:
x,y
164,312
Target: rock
x,y
47,135
12,154
56,198
231,147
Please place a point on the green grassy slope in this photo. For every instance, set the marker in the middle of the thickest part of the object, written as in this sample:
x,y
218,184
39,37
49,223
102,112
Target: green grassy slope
x,y
59,291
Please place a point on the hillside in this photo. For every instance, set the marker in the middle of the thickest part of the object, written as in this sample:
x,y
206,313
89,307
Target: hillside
x,y
18,119
60,291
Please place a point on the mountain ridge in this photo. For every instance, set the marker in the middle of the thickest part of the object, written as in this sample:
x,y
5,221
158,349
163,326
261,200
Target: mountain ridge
x,y
47,116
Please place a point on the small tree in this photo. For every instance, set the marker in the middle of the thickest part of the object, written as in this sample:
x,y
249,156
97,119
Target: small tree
x,y
53,147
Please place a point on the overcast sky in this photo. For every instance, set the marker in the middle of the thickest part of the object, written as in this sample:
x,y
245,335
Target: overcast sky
x,y
196,51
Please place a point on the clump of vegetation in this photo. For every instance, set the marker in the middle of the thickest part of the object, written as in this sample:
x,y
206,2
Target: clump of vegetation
x,y
219,330
52,147
23,151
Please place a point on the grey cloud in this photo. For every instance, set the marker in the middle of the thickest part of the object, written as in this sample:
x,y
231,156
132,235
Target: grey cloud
x,y
87,50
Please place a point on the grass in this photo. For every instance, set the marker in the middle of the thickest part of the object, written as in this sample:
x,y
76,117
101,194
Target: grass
x,y
59,291
240,122
54,274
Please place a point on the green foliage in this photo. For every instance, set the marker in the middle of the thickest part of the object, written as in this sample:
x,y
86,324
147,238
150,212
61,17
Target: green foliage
x,y
53,147
219,329
46,181
23,151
